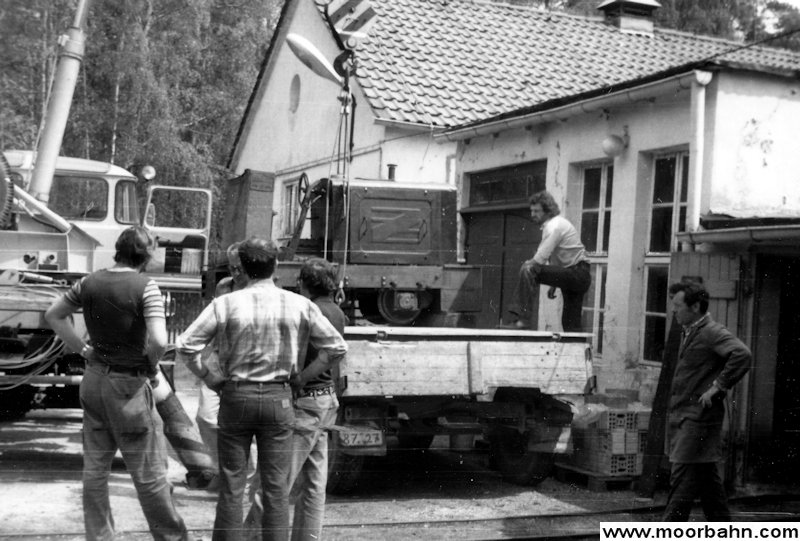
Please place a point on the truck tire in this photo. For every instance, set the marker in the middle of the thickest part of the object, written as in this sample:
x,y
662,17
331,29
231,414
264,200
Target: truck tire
x,y
16,402
510,455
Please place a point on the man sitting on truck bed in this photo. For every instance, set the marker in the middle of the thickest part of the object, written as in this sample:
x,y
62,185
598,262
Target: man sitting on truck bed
x,y
560,262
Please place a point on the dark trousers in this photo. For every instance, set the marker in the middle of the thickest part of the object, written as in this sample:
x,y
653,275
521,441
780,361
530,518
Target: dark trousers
x,y
573,282
263,411
690,481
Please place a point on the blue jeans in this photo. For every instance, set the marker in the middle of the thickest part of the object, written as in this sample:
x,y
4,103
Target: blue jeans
x,y
263,411
119,413
308,475
309,471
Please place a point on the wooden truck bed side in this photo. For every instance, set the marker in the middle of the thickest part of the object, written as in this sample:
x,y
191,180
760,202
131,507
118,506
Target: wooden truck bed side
x,y
397,361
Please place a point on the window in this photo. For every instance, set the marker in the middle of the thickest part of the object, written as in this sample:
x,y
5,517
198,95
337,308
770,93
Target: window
x,y
290,208
126,209
667,217
668,210
596,207
594,306
507,185
598,182
79,198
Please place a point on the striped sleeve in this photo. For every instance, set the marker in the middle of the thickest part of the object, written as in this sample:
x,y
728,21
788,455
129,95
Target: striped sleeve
x,y
153,302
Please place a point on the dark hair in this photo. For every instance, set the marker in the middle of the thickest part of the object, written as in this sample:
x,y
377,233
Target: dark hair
x,y
134,247
258,257
549,205
318,276
693,293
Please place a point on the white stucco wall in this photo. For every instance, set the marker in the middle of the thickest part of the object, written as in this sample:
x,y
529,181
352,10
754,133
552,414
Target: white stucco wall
x,y
756,156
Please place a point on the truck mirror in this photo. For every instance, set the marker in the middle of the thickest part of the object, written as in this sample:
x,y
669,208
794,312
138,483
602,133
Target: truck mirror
x,y
150,215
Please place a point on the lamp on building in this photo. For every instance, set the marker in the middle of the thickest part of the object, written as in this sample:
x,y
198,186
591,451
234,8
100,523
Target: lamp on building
x,y
614,145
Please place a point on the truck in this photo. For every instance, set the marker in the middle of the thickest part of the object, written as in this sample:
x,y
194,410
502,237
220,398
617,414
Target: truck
x,y
402,386
59,220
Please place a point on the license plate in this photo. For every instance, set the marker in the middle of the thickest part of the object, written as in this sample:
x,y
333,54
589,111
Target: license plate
x,y
361,438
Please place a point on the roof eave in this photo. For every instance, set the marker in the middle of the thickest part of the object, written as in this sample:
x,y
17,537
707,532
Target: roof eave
x,y
580,104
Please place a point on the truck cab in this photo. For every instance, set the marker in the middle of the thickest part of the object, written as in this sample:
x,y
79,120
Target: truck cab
x,y
99,200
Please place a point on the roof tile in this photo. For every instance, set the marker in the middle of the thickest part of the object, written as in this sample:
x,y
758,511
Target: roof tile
x,y
463,61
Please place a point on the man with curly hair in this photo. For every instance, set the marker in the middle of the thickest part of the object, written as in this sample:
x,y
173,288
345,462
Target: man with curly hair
x,y
560,262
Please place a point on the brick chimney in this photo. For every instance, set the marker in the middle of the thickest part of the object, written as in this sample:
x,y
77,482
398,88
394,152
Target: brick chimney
x,y
634,16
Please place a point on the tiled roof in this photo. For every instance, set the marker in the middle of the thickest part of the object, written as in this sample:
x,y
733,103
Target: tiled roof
x,y
448,63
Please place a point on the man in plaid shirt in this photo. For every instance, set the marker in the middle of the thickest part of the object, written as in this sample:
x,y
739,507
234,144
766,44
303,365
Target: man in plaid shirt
x,y
262,333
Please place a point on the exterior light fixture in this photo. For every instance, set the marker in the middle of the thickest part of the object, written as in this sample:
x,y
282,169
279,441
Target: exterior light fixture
x,y
614,145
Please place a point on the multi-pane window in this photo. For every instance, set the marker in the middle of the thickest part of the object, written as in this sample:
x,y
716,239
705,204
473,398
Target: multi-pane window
x,y
667,217
668,208
291,208
594,306
508,184
598,182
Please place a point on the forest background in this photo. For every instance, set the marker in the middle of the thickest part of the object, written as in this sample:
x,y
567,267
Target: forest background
x,y
166,82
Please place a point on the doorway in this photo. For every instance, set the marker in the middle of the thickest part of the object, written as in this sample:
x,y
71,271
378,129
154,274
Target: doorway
x,y
774,446
499,241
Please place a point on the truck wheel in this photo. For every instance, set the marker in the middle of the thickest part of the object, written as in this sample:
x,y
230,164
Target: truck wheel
x,y
510,455
344,471
16,402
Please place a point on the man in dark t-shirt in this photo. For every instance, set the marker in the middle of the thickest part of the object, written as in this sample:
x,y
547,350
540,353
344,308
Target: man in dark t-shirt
x,y
124,315
315,408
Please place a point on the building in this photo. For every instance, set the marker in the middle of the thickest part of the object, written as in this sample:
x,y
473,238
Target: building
x,y
672,153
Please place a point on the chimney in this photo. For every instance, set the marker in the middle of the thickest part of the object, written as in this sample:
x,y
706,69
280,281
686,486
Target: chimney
x,y
635,16
392,169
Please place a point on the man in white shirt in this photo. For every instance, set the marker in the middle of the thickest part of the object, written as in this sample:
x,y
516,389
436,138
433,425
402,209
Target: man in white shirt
x,y
560,262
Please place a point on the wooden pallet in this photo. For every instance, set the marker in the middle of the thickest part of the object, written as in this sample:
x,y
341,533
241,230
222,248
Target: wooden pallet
x,y
597,482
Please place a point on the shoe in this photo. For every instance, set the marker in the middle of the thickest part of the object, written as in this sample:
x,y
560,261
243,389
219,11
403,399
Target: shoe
x,y
203,480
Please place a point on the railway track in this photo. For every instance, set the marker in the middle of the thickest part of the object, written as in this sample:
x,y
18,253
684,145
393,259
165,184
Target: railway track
x,y
577,526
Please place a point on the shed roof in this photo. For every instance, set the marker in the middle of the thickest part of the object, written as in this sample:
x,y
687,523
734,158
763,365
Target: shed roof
x,y
448,63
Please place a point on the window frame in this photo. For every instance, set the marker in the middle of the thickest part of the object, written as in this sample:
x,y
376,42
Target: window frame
x,y
659,258
598,260
290,207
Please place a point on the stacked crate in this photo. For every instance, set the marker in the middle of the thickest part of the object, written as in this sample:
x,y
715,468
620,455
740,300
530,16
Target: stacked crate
x,y
613,443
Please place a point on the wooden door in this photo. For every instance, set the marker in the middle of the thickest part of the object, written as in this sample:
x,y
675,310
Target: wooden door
x,y
499,241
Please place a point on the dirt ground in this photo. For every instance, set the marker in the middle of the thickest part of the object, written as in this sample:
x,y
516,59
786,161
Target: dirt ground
x,y
40,469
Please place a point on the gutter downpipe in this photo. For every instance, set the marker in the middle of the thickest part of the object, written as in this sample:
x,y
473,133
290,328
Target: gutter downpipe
x,y
591,105
696,151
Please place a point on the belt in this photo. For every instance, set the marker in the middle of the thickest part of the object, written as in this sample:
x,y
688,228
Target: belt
x,y
321,391
125,370
244,384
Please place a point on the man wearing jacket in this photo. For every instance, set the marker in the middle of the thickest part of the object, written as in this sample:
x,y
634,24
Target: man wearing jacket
x,y
710,362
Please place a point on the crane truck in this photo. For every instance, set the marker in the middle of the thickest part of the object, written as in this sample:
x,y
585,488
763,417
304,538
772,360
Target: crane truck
x,y
59,220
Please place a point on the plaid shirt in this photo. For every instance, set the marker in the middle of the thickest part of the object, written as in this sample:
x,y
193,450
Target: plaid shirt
x,y
262,332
